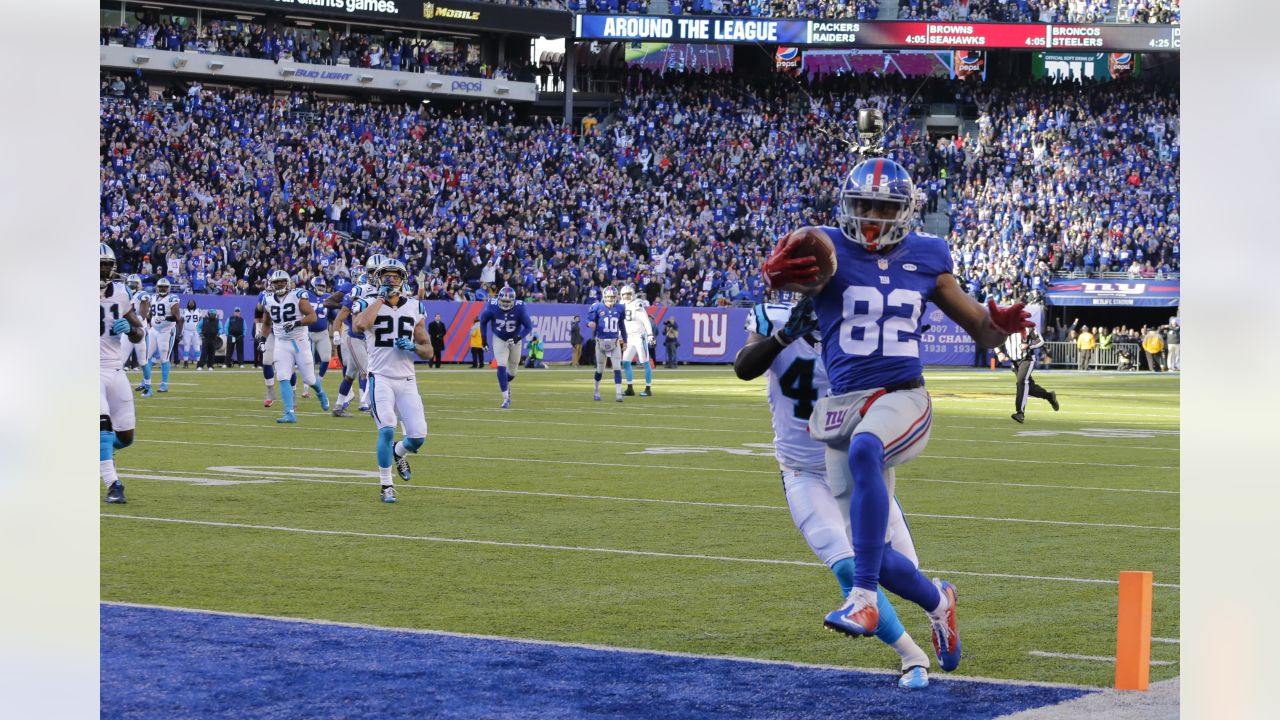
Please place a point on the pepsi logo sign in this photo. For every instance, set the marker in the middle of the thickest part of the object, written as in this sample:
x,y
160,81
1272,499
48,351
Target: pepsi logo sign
x,y
466,86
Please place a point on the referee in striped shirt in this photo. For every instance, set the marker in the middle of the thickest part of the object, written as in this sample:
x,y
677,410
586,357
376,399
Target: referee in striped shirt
x,y
1022,351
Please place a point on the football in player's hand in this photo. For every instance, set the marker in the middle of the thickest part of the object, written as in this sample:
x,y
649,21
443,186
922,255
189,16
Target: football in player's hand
x,y
802,262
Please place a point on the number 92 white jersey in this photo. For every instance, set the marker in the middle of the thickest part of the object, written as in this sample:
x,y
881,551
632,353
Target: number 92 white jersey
x,y
286,309
797,378
391,324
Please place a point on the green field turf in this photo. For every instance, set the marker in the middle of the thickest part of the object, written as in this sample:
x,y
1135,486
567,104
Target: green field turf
x,y
542,490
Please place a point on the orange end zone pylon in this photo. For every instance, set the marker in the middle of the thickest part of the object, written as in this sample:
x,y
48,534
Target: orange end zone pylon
x,y
1133,631
335,363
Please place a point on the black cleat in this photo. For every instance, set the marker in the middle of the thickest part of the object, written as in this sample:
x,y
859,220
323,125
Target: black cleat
x,y
1017,417
115,493
630,391
1053,401
647,392
402,467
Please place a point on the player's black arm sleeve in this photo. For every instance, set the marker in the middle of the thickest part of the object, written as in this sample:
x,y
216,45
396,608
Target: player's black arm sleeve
x,y
756,356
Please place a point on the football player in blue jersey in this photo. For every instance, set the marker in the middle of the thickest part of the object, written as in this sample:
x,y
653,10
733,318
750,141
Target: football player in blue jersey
x,y
606,320
321,341
355,353
782,345
504,323
878,414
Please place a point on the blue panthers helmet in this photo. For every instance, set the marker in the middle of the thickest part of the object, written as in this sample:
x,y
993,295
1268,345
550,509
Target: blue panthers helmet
x,y
506,298
882,186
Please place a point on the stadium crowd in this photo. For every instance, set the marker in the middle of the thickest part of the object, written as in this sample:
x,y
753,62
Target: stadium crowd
x,y
1048,11
319,45
682,192
857,9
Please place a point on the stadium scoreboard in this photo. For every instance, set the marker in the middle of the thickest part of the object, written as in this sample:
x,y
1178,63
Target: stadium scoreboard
x,y
939,35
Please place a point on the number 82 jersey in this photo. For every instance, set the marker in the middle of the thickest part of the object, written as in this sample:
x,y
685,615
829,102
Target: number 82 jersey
x,y
797,378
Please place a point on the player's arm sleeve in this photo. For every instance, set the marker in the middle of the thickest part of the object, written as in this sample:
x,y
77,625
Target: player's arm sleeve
x,y
526,323
486,325
756,356
646,321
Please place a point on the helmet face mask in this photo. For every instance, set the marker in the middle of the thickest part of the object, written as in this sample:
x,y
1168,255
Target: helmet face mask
x,y
877,204
627,293
279,283
609,297
507,298
390,269
318,284
134,283
162,287
106,265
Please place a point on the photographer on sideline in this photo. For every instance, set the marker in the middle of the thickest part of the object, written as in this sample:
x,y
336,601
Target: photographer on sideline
x,y
671,335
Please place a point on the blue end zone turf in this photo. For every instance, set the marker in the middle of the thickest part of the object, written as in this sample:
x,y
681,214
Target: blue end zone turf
x,y
159,663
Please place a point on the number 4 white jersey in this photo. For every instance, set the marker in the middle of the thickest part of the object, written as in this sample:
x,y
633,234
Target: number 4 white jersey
x,y
797,378
114,304
392,323
637,318
286,309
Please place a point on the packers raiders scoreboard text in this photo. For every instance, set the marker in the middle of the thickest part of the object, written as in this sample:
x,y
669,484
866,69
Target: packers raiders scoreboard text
x,y
880,34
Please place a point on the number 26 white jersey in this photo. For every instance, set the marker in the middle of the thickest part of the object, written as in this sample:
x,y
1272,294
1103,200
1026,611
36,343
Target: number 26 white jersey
x,y
392,323
797,378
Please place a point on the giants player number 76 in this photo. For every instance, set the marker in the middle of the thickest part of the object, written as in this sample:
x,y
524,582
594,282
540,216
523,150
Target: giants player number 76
x,y
878,413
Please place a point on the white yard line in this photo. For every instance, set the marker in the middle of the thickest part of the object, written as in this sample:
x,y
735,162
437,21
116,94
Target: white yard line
x,y
1040,485
932,438
574,548
589,646
1092,658
657,467
211,478
1167,641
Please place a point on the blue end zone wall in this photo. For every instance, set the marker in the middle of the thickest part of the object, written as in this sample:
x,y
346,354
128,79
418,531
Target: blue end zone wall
x,y
159,663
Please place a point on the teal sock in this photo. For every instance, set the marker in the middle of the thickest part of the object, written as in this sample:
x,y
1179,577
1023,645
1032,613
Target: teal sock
x,y
626,371
844,575
106,445
164,372
890,627
286,395
648,374
386,446
146,374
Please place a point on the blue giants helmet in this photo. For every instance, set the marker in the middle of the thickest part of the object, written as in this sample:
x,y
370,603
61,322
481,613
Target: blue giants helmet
x,y
507,298
882,185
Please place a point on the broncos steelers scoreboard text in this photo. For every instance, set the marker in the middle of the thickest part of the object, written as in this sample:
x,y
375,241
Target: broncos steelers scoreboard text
x,y
877,34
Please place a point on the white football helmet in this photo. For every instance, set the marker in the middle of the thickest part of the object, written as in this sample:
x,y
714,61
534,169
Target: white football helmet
x,y
280,282
610,296
162,287
374,264
134,283
627,294
392,269
106,265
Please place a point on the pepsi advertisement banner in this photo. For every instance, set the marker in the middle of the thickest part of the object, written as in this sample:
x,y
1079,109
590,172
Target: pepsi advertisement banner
x,y
707,335
1128,293
880,34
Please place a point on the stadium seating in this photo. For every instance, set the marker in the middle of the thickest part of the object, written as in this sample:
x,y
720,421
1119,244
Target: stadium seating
x,y
682,191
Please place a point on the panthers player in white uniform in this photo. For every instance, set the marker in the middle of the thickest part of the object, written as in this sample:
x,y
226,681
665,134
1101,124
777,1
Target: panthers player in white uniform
x,y
355,355
141,302
639,333
115,400
782,345
190,350
288,313
395,329
166,325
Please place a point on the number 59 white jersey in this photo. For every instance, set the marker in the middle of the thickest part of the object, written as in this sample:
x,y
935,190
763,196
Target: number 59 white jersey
x,y
797,378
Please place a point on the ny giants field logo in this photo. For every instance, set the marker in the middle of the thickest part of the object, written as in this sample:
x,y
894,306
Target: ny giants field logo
x,y
835,418
710,333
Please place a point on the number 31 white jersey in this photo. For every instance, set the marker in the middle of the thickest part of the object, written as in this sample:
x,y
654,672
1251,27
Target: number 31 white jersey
x,y
114,304
392,323
797,378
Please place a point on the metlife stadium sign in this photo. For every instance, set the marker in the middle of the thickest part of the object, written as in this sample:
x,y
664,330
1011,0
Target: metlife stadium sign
x,y
876,34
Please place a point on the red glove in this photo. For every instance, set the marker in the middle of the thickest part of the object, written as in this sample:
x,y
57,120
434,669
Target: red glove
x,y
781,270
1009,320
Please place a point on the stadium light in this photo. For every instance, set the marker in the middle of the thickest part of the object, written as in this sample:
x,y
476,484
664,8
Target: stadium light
x,y
216,65
141,59
435,84
288,72
366,78
179,63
